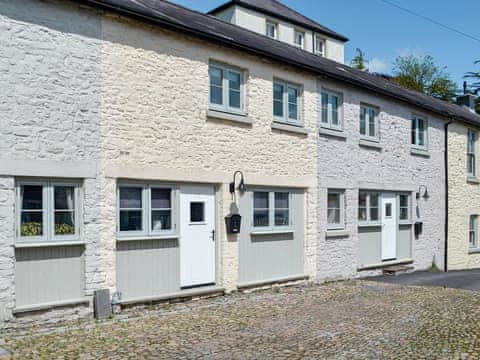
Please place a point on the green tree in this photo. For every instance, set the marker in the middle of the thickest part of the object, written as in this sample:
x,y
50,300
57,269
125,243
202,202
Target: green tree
x,y
422,74
359,61
475,85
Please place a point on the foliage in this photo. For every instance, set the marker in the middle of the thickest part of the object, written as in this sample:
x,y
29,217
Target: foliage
x,y
64,229
359,62
31,229
476,83
423,75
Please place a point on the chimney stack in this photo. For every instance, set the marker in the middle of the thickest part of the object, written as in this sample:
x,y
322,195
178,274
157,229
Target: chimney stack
x,y
467,99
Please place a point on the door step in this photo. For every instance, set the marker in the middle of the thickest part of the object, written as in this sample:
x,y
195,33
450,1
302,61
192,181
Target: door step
x,y
397,270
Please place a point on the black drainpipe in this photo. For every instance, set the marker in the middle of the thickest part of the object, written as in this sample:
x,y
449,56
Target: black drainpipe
x,y
446,194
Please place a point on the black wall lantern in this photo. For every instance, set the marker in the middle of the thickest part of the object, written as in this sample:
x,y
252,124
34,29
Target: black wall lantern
x,y
233,223
426,195
241,186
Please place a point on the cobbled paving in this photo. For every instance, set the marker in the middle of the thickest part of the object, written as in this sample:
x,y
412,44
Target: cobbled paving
x,y
346,320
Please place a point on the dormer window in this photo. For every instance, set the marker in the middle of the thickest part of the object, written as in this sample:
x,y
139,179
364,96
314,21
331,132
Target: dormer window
x,y
299,38
271,30
319,46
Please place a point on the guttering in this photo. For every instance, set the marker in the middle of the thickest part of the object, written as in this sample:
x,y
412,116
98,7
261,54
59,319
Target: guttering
x,y
445,260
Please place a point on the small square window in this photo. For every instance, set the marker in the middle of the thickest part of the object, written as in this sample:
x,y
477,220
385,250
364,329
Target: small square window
x,y
299,38
388,210
197,212
271,30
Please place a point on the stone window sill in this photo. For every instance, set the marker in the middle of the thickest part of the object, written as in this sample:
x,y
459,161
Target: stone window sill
x,y
419,152
473,180
146,238
336,233
51,305
272,232
289,128
20,245
333,133
474,251
242,119
363,267
370,144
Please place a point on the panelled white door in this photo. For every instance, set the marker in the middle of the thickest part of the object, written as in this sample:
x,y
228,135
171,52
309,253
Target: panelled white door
x,y
389,226
197,236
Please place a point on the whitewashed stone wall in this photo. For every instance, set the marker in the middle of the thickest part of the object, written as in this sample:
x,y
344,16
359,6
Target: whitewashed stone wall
x,y
344,164
464,200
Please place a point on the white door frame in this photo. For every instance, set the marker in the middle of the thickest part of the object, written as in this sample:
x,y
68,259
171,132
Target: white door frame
x,y
198,251
389,226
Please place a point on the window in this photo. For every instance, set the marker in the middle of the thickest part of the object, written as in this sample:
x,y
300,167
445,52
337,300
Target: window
x,y
226,89
47,211
319,46
471,153
299,38
331,109
368,207
472,235
145,210
404,201
336,209
286,103
271,209
419,132
369,123
271,30
197,212
388,210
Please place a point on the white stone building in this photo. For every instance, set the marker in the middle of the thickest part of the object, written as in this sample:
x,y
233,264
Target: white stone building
x,y
123,124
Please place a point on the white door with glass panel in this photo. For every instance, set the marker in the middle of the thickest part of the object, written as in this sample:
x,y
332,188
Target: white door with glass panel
x,y
389,226
197,236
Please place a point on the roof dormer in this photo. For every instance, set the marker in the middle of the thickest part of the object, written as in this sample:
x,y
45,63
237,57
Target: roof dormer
x,y
277,21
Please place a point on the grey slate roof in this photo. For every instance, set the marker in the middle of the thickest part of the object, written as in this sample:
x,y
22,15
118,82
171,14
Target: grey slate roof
x,y
181,19
277,9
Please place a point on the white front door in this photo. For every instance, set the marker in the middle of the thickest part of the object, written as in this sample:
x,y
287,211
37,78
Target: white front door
x,y
197,236
389,226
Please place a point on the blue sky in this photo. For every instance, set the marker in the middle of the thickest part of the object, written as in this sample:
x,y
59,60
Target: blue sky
x,y
384,32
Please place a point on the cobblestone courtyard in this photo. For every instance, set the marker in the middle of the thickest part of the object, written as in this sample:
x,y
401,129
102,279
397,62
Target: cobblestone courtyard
x,y
356,319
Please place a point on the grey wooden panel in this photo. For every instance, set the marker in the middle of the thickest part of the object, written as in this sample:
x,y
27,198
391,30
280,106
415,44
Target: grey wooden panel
x,y
49,274
404,242
148,268
369,245
265,257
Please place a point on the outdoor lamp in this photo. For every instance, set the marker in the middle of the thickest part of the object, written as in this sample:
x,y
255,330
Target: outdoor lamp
x,y
426,196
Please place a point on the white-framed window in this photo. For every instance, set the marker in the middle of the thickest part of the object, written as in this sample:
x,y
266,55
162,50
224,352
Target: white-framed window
x,y
271,29
472,153
369,207
331,116
335,209
287,102
145,209
271,209
473,232
369,123
320,46
48,211
226,88
419,132
404,208
299,38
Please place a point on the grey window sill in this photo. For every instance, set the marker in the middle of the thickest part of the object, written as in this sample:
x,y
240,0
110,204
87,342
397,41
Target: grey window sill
x,y
419,152
208,290
145,238
370,144
20,245
242,119
366,225
333,133
272,232
474,251
52,305
336,233
384,264
289,128
473,180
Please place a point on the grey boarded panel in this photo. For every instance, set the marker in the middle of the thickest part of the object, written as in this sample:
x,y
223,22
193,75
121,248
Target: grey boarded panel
x,y
148,268
369,245
49,274
265,257
404,242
